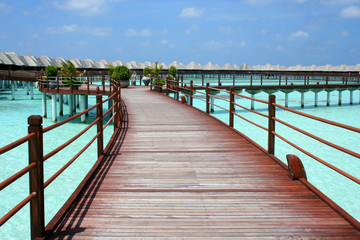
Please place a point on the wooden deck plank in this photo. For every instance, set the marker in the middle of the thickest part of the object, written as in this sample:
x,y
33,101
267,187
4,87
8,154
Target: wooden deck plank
x,y
180,174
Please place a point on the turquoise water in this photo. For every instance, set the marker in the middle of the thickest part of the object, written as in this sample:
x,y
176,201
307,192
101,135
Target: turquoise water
x,y
14,125
13,120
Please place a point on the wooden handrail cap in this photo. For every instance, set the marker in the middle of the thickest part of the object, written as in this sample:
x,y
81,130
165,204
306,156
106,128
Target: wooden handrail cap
x,y
35,120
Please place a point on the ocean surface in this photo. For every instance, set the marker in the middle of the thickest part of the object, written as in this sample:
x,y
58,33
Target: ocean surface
x,y
14,116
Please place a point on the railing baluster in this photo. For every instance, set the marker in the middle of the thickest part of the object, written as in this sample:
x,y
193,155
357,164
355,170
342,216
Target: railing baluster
x,y
207,98
99,115
191,92
36,177
231,108
271,126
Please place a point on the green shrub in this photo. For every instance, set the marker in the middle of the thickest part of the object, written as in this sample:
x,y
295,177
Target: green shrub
x,y
121,73
173,71
147,71
51,70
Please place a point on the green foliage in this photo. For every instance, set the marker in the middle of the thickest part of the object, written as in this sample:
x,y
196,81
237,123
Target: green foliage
x,y
173,71
68,69
156,70
111,69
51,71
121,73
147,71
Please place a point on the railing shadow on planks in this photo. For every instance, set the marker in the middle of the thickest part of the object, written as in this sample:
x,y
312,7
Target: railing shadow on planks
x,y
37,158
295,167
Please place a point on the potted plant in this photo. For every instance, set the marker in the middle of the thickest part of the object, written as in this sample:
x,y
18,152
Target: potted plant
x,y
157,82
122,74
70,73
51,72
147,75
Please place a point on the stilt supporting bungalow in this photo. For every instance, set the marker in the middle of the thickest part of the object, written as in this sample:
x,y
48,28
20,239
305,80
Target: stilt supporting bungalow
x,y
61,104
44,108
83,107
53,108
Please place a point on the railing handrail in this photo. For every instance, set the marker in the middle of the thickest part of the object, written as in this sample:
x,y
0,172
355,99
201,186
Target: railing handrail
x,y
271,118
37,230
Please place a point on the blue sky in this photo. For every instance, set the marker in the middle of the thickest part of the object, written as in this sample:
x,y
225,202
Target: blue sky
x,y
285,32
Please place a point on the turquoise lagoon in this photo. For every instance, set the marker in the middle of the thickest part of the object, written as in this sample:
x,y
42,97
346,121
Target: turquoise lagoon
x,y
344,192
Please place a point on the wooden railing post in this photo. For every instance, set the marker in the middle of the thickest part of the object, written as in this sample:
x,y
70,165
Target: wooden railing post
x,y
116,107
36,177
167,86
271,126
231,108
207,91
103,83
99,114
191,92
177,89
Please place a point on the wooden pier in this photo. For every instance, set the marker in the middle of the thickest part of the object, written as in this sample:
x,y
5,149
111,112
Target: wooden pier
x,y
177,173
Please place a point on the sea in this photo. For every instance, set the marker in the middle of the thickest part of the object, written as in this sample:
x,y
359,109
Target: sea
x,y
13,120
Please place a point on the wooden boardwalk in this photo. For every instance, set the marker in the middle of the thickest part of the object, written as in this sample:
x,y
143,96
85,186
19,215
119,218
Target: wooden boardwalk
x,y
181,174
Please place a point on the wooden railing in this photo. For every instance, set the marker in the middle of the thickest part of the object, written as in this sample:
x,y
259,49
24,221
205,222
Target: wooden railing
x,y
37,158
55,84
189,93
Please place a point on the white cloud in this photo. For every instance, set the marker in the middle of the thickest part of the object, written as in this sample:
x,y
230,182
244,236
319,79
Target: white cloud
x,y
144,32
192,12
4,8
298,35
85,7
227,44
350,12
164,42
344,33
192,28
74,28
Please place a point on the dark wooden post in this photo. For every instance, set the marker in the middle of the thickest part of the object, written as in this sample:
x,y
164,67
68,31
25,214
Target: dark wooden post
x,y
271,125
202,80
231,108
261,79
167,86
279,80
219,83
286,78
207,98
103,83
182,81
177,89
116,107
251,80
36,177
88,85
99,114
327,80
305,80
57,83
234,80
191,92
47,83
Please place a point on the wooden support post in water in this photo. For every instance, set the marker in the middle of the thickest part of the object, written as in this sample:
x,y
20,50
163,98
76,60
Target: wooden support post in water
x,y
12,90
36,177
71,105
83,107
219,83
53,108
271,125
61,105
251,80
191,92
99,114
77,100
340,93
252,101
286,99
286,80
279,80
207,91
231,108
328,99
234,80
261,79
351,97
202,80
44,107
316,99
32,90
302,99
